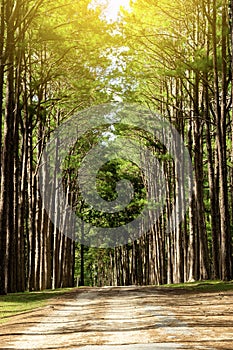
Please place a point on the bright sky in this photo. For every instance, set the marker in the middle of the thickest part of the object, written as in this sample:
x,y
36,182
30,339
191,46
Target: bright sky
x,y
114,6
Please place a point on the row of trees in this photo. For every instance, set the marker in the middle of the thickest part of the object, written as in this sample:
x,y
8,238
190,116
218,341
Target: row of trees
x,y
178,58
50,53
184,52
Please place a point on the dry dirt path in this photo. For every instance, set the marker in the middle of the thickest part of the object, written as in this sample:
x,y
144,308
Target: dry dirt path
x,y
125,318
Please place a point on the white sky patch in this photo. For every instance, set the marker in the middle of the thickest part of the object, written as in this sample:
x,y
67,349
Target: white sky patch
x,y
113,7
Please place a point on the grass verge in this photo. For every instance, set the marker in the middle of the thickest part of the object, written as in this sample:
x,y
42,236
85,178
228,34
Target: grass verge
x,y
202,286
18,303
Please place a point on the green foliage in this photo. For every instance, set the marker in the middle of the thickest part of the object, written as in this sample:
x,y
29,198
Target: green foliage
x,y
95,259
110,173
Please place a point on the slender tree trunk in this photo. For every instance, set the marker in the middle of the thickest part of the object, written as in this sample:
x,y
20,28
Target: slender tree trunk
x,y
7,243
2,64
231,72
221,142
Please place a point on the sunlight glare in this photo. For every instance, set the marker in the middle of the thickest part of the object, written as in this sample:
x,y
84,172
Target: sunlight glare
x,y
113,8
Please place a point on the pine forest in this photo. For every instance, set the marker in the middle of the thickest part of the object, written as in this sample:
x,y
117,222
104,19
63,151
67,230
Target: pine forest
x,y
60,59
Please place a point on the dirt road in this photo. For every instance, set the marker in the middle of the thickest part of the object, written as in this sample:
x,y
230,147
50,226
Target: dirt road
x,y
125,318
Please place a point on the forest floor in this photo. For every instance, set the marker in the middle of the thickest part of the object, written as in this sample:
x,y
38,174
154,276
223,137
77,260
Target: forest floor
x,y
125,318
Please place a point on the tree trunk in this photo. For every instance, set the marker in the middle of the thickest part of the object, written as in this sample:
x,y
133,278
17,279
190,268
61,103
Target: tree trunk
x,y
7,243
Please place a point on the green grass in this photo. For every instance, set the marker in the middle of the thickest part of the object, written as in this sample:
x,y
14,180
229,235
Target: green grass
x,y
203,286
18,303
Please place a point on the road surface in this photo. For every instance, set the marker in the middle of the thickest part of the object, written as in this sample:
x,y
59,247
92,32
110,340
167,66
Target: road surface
x,y
125,318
